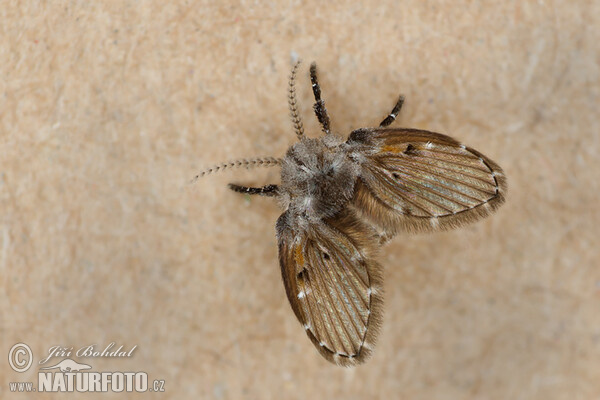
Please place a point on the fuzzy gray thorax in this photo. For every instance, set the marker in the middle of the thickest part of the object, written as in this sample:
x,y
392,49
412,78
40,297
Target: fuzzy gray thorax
x,y
317,177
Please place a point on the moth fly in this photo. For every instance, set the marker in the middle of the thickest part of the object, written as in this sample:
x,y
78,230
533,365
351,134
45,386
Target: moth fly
x,y
344,198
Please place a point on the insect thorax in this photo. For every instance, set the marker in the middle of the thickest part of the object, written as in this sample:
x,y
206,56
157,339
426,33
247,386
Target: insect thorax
x,y
318,177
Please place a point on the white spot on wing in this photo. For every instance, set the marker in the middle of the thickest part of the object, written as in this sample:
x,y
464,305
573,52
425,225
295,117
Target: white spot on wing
x,y
301,294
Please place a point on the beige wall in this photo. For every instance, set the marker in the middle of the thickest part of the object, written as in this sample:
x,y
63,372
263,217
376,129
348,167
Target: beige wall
x,y
107,111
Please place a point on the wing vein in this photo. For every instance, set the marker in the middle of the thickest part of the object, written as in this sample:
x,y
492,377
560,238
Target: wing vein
x,y
399,195
434,191
412,166
338,328
421,155
425,162
342,296
354,289
412,184
315,289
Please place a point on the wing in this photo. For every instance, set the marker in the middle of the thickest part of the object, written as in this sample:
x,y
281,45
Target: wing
x,y
333,284
418,180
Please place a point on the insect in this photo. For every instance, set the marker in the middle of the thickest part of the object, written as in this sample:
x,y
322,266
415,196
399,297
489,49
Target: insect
x,y
344,198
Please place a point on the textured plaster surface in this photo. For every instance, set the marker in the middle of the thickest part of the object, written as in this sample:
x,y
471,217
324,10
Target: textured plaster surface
x,y
107,109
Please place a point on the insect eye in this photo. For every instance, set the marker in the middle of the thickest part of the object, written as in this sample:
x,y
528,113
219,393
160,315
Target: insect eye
x,y
410,148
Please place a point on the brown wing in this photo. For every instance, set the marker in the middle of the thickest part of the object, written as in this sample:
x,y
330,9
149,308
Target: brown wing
x,y
418,180
333,285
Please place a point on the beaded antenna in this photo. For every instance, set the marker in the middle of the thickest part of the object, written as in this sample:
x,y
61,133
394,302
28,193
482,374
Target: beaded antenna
x,y
344,198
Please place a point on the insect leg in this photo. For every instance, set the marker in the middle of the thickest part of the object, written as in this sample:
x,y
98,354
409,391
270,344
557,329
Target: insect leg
x,y
267,190
392,116
320,109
